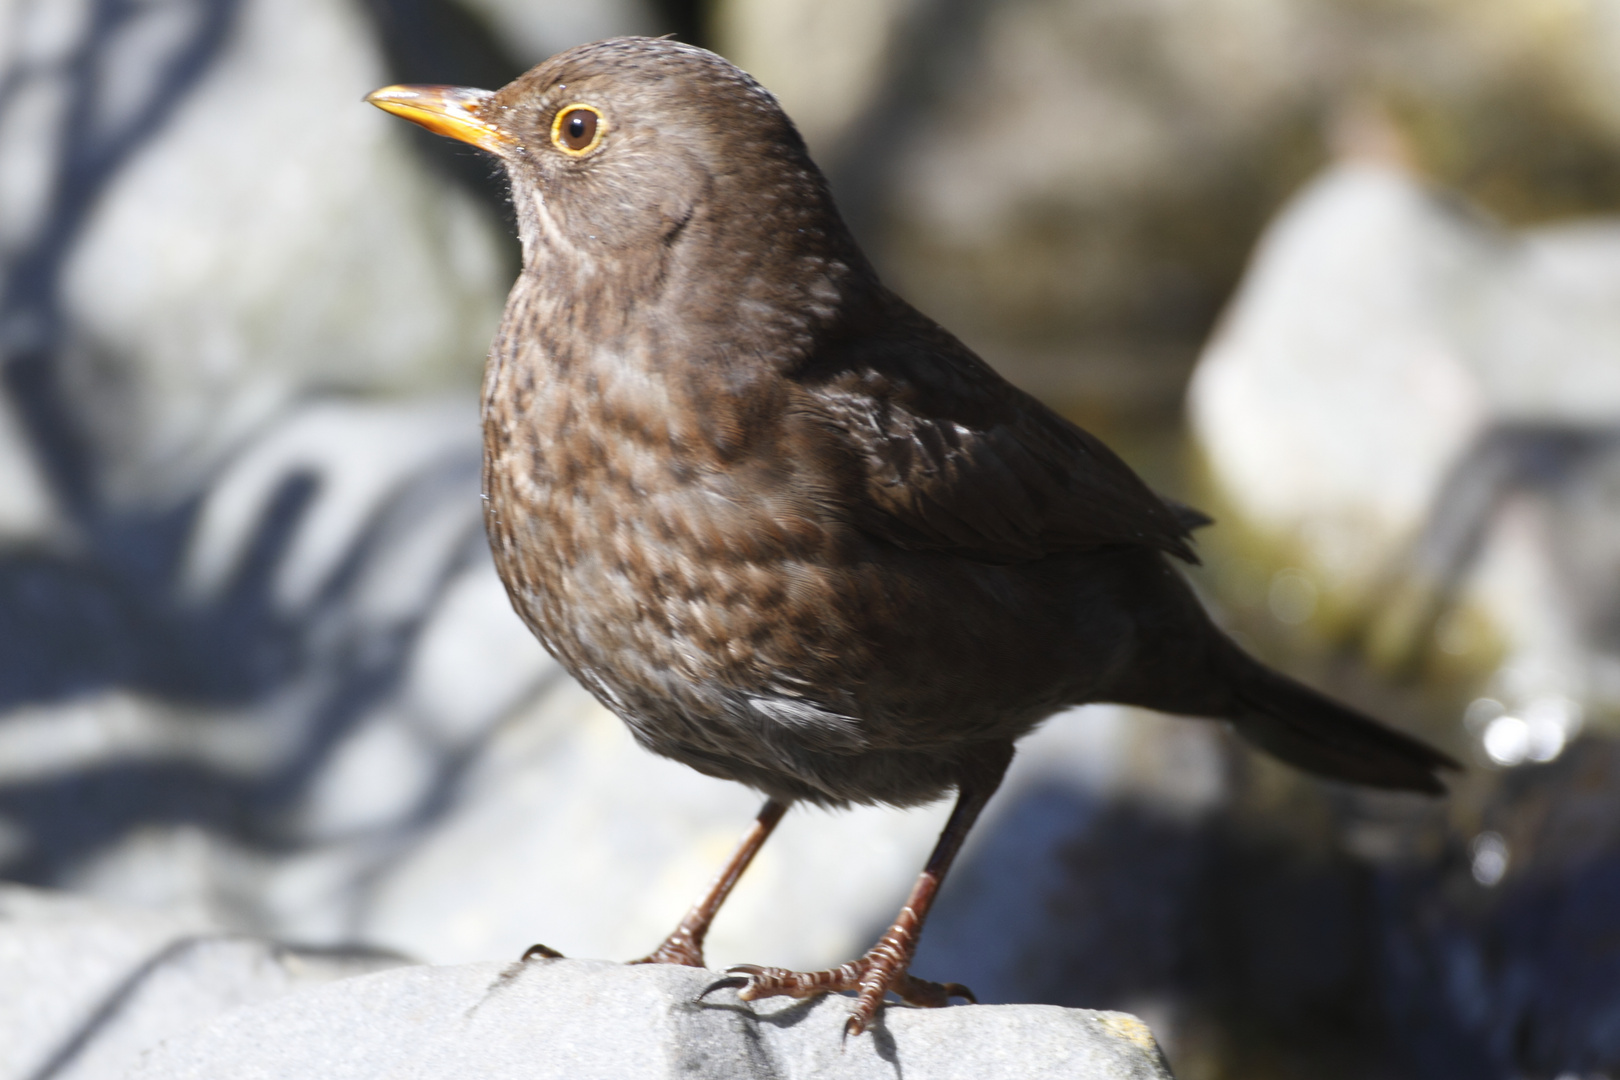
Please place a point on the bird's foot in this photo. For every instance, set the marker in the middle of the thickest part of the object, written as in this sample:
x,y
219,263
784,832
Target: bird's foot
x,y
880,972
679,948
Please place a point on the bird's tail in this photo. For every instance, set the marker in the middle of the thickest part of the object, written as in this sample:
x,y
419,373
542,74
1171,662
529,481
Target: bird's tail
x,y
1304,728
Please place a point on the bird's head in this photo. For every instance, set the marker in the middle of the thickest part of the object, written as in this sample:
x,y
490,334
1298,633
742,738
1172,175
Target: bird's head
x,y
623,143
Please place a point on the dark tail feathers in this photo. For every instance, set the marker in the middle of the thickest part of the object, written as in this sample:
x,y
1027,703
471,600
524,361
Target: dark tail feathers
x,y
1306,729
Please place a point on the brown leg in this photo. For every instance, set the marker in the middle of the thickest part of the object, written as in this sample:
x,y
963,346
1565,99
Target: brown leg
x,y
685,944
883,969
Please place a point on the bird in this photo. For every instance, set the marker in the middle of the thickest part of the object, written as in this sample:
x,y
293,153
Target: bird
x,y
788,528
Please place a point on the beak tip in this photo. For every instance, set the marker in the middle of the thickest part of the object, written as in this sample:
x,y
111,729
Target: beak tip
x,y
445,110
383,95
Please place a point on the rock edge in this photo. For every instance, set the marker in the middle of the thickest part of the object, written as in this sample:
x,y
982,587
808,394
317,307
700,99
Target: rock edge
x,y
591,1019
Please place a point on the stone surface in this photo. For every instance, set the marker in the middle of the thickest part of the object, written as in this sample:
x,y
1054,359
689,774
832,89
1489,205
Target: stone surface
x,y
586,1020
86,988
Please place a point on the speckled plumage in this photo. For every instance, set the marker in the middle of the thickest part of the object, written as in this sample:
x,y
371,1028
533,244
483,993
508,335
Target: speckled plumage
x,y
789,529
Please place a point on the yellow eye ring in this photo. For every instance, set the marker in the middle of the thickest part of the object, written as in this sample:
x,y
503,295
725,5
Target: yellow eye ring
x,y
577,129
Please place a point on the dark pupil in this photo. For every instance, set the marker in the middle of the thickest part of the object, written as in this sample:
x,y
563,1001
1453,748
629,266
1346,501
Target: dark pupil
x,y
578,127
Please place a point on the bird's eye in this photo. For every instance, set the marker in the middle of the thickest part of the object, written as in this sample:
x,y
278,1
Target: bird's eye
x,y
577,129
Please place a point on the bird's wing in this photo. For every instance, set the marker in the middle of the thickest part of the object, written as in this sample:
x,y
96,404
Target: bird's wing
x,y
949,456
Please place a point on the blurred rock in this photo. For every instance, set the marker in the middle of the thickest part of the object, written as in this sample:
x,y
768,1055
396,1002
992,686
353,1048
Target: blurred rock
x,y
583,1021
1418,413
826,62
28,510
1075,187
86,989
1338,370
533,30
270,240
248,628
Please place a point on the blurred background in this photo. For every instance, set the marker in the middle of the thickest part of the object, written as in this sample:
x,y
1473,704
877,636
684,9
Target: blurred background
x,y
1346,273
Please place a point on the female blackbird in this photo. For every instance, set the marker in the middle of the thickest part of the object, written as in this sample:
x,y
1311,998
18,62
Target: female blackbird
x,y
789,529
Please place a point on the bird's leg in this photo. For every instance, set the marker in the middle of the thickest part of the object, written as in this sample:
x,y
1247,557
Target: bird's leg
x,y
883,969
685,943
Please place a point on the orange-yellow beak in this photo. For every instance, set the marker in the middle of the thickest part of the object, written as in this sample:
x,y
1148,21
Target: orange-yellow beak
x,y
455,111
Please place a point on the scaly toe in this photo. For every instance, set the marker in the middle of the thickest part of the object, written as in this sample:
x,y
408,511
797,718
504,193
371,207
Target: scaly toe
x,y
870,978
764,982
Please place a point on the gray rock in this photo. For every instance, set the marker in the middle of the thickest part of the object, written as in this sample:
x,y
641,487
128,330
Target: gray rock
x,y
85,988
586,1019
270,240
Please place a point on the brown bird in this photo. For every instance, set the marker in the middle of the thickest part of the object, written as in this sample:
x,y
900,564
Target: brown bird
x,y
789,529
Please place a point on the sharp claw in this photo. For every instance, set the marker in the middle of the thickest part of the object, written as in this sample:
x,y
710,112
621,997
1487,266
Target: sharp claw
x,y
853,1026
733,982
543,951
745,969
958,990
